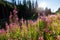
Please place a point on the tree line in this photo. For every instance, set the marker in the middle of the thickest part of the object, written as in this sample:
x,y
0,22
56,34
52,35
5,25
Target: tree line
x,y
26,10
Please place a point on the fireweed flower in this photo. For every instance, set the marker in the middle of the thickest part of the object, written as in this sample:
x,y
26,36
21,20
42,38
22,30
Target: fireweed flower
x,y
16,39
9,39
22,20
15,10
41,38
7,26
2,31
17,19
46,30
15,16
10,15
33,23
41,17
58,37
47,19
50,32
11,25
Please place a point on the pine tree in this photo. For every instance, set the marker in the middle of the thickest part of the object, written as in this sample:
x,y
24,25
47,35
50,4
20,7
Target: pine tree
x,y
19,2
13,1
32,4
36,4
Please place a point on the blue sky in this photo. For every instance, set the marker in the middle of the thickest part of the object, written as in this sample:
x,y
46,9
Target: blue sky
x,y
53,4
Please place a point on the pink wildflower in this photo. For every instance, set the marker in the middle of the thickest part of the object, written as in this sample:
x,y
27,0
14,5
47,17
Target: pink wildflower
x,y
22,20
50,32
9,39
17,19
10,15
46,30
41,38
2,31
11,25
15,11
47,20
58,37
16,39
7,26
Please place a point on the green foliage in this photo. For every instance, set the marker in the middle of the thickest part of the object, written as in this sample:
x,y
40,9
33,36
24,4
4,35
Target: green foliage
x,y
32,33
41,25
24,36
58,11
3,37
15,33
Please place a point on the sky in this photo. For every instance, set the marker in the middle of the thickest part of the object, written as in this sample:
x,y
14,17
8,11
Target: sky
x,y
52,4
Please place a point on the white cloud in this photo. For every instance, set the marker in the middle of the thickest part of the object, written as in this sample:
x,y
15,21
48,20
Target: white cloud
x,y
43,4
